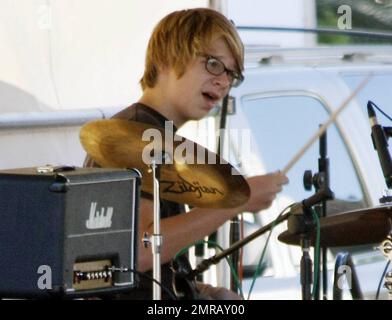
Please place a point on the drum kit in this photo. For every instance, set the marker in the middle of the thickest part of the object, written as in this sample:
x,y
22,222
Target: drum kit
x,y
214,184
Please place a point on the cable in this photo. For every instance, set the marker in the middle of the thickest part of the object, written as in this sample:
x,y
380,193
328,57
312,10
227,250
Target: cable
x,y
264,250
142,274
379,109
382,277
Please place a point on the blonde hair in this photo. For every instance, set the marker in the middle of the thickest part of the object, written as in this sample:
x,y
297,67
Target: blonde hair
x,y
181,35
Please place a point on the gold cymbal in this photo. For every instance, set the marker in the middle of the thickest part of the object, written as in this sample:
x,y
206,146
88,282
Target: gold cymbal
x,y
358,227
191,174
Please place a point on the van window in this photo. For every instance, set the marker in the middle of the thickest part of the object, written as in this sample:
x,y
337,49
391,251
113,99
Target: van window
x,y
378,90
280,126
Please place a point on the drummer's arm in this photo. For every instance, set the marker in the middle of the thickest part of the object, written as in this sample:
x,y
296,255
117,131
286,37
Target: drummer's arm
x,y
184,229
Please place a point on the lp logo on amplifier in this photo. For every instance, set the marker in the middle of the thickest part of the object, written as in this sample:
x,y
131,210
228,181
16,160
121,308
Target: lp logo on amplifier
x,y
99,219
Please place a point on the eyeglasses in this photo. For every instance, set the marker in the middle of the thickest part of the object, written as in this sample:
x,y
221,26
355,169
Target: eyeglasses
x,y
217,67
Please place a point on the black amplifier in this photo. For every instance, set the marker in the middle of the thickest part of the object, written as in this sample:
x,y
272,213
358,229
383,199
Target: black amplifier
x,y
64,229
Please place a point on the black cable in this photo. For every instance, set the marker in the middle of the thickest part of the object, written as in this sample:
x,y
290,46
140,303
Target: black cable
x,y
379,109
142,274
382,277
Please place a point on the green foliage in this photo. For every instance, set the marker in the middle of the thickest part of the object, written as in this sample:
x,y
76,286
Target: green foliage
x,y
327,17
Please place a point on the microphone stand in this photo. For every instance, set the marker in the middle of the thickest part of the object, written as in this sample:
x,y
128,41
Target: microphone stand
x,y
387,198
320,180
301,223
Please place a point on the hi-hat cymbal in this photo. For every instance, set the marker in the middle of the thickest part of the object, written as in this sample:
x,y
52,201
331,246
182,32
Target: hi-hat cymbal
x,y
191,174
365,226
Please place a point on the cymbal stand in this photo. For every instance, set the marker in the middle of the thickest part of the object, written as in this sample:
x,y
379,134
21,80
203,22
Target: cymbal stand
x,y
156,237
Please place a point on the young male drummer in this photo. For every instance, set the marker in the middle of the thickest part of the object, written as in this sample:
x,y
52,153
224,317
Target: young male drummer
x,y
193,59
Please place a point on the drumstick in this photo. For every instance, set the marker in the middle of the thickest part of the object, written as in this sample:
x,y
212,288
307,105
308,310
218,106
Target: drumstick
x,y
325,126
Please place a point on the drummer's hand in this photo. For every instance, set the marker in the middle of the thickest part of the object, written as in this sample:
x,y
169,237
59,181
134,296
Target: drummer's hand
x,y
263,190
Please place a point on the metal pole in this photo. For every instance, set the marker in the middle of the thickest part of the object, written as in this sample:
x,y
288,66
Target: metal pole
x,y
156,237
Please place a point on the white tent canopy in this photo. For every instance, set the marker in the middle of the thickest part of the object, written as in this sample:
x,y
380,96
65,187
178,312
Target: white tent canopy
x,y
69,55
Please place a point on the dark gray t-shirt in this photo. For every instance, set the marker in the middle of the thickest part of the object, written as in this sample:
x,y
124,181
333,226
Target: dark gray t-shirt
x,y
142,113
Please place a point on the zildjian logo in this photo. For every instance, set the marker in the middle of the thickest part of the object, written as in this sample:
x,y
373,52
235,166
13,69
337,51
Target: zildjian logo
x,y
182,186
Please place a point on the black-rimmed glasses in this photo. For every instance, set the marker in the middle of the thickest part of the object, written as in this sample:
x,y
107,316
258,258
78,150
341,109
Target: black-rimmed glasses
x,y
216,67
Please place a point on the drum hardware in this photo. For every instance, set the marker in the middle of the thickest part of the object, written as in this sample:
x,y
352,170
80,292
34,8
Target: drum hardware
x,y
388,284
156,237
320,180
386,249
386,197
352,228
301,224
184,284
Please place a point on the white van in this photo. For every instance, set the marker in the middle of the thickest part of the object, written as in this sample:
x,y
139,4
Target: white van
x,y
286,95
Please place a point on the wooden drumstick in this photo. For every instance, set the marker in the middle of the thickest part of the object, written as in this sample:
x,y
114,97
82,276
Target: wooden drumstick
x,y
325,125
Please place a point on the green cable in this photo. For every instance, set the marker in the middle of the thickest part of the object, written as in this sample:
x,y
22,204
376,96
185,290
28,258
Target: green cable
x,y
316,253
230,263
259,264
265,249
